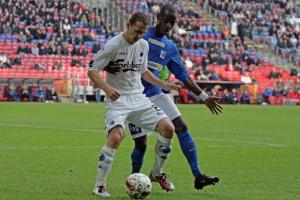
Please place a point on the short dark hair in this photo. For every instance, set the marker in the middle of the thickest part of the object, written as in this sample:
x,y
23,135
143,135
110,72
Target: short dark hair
x,y
167,7
139,17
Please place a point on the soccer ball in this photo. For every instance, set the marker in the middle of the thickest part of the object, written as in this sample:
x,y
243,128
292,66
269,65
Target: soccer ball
x,y
138,186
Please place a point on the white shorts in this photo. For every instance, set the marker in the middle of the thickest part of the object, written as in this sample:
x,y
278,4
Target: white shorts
x,y
134,108
162,101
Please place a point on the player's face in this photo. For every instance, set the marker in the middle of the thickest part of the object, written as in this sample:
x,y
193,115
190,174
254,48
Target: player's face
x,y
136,31
166,22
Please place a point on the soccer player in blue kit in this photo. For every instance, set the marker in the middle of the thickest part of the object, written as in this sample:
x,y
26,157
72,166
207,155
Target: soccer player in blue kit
x,y
163,52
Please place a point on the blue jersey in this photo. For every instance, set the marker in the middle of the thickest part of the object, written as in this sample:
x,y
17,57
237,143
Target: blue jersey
x,y
162,53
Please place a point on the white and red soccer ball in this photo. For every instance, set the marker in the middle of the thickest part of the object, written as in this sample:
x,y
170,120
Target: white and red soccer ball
x,y
138,186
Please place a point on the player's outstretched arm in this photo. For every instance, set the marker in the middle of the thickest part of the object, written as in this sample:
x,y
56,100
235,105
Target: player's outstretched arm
x,y
177,68
212,102
149,77
111,92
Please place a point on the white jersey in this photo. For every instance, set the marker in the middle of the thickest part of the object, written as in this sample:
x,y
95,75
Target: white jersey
x,y
131,58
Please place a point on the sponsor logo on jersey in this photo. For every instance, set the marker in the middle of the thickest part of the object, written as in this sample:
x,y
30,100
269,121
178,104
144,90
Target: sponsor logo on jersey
x,y
163,54
125,66
155,65
156,42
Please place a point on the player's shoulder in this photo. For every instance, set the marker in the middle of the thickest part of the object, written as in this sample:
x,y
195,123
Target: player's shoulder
x,y
114,42
143,43
170,44
167,41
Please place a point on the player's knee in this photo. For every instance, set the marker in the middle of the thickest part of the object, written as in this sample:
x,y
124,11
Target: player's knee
x,y
115,137
179,124
141,143
168,130
114,141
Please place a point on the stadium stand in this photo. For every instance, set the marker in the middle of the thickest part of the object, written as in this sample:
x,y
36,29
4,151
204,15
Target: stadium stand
x,y
273,22
47,40
220,52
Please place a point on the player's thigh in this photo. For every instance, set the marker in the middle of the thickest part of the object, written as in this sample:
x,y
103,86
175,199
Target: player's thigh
x,y
115,116
165,102
147,115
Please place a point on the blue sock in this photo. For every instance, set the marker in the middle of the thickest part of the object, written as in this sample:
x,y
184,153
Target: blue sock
x,y
137,159
188,147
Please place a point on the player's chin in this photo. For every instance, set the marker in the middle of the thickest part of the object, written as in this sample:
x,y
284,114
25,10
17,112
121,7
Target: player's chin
x,y
136,39
166,32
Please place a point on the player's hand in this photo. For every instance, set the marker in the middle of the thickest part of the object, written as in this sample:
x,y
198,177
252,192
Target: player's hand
x,y
212,103
112,93
177,82
173,85
111,68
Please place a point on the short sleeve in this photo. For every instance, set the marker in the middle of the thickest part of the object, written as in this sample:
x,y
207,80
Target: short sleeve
x,y
145,63
102,58
176,66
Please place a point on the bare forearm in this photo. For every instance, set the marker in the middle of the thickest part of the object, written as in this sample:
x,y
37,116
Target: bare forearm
x,y
149,77
96,78
192,85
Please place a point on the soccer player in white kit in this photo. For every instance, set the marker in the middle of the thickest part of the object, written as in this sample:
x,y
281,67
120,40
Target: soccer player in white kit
x,y
125,100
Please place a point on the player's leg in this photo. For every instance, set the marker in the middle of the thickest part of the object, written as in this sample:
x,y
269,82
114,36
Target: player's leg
x,y
114,129
106,159
137,155
188,147
137,158
153,118
140,144
162,150
163,144
187,144
140,141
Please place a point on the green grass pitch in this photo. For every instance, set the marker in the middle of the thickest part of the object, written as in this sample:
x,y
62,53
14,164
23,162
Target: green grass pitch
x,y
50,152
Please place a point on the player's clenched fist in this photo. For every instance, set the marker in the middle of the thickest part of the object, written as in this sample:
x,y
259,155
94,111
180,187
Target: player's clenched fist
x,y
112,93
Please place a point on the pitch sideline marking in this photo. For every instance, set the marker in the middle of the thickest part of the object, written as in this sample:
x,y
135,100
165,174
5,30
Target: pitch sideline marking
x,y
98,131
48,127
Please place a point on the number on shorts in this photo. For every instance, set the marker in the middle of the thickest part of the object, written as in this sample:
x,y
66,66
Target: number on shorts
x,y
134,129
156,108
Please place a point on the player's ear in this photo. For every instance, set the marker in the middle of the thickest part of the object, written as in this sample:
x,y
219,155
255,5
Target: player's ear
x,y
128,25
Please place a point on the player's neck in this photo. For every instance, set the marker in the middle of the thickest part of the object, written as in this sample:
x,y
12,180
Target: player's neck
x,y
157,32
126,37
